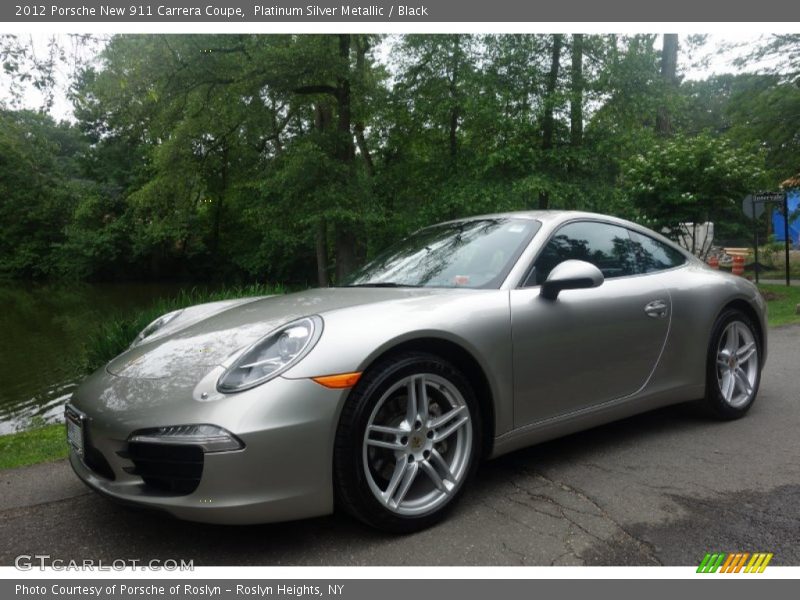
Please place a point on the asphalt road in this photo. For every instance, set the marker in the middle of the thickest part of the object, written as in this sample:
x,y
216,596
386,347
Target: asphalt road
x,y
661,488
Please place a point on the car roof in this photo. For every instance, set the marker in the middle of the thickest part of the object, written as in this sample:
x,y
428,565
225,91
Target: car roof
x,y
554,217
543,215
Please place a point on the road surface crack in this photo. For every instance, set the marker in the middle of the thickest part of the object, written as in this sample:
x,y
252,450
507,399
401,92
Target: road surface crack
x,y
645,547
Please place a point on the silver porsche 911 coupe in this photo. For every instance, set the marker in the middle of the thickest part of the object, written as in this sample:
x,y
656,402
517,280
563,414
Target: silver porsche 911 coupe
x,y
466,340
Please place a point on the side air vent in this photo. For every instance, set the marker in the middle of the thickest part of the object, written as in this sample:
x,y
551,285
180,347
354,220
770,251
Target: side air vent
x,y
174,468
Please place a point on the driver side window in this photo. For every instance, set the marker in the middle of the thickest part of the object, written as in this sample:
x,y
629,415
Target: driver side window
x,y
606,246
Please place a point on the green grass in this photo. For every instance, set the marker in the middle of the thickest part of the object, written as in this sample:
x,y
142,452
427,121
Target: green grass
x,y
782,303
794,273
33,446
115,335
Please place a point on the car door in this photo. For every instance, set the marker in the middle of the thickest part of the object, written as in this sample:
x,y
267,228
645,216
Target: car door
x,y
589,346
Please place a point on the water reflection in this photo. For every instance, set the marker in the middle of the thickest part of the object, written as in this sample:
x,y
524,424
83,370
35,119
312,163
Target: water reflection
x,y
43,330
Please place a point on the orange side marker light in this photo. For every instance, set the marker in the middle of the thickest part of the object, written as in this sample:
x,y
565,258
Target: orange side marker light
x,y
338,382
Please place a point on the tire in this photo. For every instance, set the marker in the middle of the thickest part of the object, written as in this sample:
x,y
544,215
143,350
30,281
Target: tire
x,y
388,456
732,381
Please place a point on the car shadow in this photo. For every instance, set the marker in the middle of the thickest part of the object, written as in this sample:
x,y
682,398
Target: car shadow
x,y
585,444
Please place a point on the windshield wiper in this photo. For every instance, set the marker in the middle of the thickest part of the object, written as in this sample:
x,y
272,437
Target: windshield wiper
x,y
384,284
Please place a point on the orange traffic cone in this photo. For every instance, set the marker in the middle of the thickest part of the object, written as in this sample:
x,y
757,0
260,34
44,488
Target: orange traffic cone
x,y
738,265
713,262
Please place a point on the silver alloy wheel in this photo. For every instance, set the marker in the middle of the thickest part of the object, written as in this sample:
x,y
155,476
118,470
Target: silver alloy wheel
x,y
737,364
417,444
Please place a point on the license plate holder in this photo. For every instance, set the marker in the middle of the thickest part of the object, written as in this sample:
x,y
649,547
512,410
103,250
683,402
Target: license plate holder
x,y
75,430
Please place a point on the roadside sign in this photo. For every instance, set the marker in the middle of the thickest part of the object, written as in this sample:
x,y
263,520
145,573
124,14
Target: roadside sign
x,y
769,197
752,208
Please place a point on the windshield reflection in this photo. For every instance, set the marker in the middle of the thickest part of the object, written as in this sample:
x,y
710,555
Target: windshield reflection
x,y
475,253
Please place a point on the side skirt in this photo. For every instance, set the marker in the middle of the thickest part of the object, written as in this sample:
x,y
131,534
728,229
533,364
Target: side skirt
x,y
587,418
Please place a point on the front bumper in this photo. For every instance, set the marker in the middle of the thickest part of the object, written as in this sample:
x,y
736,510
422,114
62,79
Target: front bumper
x,y
284,471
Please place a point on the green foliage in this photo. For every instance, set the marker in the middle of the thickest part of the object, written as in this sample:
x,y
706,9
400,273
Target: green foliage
x,y
237,158
38,191
691,179
116,334
758,113
33,446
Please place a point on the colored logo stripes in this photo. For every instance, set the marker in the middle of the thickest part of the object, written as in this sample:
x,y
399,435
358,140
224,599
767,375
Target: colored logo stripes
x,y
734,562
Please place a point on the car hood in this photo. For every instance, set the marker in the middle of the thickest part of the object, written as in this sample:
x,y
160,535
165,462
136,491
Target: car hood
x,y
202,338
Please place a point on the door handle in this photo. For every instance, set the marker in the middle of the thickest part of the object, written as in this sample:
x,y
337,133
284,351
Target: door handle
x,y
656,309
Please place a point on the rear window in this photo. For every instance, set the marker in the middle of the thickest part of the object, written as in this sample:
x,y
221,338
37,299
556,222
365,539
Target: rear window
x,y
652,255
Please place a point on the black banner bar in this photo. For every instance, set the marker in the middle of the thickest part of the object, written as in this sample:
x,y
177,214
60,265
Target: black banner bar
x,y
732,587
255,11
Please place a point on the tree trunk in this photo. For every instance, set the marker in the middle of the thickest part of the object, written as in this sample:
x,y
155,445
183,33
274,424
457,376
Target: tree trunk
x,y
362,45
322,120
322,116
364,149
548,124
576,95
345,250
344,141
220,205
345,238
669,70
322,253
455,108
454,134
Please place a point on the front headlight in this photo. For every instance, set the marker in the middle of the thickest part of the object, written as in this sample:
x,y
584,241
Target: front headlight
x,y
155,326
271,355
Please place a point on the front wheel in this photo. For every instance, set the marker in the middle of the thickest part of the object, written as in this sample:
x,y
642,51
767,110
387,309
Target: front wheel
x,y
407,442
733,371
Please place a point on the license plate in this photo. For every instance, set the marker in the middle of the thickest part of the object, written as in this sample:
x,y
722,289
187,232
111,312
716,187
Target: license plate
x,y
74,430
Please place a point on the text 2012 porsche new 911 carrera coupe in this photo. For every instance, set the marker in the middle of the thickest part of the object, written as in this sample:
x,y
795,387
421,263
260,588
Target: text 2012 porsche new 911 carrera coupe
x,y
466,340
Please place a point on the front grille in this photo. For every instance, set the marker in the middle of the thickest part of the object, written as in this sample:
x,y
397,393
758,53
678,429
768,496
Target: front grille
x,y
174,468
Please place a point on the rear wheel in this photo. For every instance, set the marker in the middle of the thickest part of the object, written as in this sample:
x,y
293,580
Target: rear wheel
x,y
407,443
733,371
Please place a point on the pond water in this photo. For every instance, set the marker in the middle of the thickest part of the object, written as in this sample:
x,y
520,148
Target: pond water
x,y
42,331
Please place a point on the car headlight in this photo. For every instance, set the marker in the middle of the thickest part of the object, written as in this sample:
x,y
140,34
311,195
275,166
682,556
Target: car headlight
x,y
155,326
271,355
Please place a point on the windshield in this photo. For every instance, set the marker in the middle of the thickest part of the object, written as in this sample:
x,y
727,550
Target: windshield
x,y
472,254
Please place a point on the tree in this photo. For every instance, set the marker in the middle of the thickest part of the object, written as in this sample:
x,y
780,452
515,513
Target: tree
x,y
294,158
576,93
43,66
39,189
550,102
224,108
777,54
691,180
669,75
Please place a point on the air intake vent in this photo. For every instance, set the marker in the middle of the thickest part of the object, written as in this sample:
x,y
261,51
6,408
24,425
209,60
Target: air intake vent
x,y
174,468
94,459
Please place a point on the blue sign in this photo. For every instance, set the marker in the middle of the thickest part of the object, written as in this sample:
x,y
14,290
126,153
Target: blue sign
x,y
793,199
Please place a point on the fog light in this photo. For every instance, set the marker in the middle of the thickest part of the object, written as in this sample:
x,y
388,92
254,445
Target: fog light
x,y
209,437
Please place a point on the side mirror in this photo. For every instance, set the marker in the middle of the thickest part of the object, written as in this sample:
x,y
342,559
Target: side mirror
x,y
571,275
